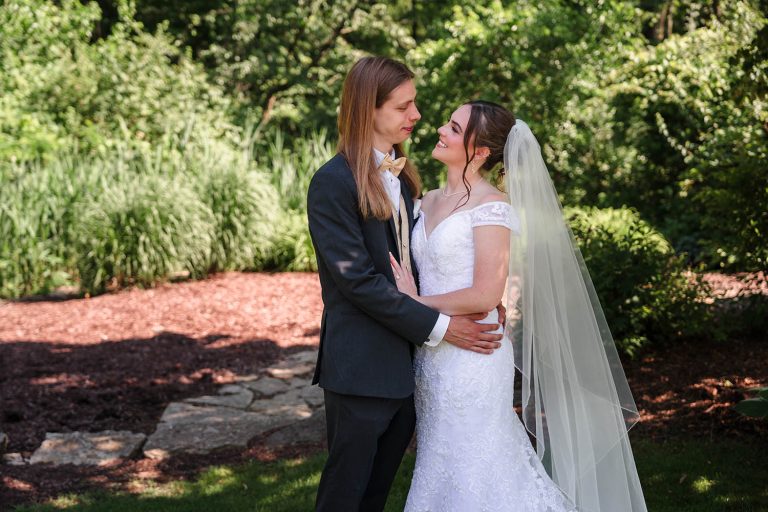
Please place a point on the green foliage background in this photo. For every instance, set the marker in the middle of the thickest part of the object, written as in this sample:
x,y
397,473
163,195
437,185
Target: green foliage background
x,y
199,123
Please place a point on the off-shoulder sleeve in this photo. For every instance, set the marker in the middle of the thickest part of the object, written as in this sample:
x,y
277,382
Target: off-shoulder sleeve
x,y
496,213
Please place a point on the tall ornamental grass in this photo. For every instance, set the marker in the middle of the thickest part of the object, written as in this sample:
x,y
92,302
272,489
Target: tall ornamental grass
x,y
290,169
141,231
39,203
246,213
291,166
136,214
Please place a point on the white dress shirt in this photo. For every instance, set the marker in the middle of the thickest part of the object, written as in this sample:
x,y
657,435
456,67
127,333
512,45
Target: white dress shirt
x,y
392,186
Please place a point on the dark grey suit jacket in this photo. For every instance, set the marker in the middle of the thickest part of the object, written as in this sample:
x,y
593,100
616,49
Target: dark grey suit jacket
x,y
368,328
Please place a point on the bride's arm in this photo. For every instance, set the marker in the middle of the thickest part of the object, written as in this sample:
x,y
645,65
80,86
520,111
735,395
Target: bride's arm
x,y
488,280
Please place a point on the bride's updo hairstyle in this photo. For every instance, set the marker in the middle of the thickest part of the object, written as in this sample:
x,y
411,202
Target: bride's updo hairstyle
x,y
489,123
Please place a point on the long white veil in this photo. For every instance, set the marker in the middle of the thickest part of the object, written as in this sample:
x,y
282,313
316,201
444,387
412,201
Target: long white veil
x,y
575,397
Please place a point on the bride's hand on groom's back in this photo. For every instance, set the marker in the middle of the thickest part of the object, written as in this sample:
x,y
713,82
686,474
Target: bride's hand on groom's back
x,y
465,332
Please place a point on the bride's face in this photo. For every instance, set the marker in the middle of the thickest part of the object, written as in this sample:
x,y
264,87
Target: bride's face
x,y
450,146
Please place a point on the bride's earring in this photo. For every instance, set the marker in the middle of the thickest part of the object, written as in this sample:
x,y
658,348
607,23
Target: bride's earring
x,y
473,167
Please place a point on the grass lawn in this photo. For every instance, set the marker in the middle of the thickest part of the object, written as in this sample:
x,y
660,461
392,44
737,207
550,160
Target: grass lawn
x,y
677,477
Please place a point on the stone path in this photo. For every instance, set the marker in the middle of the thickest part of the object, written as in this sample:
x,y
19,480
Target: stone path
x,y
279,404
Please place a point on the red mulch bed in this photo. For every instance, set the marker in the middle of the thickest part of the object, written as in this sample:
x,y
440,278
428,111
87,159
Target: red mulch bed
x,y
115,362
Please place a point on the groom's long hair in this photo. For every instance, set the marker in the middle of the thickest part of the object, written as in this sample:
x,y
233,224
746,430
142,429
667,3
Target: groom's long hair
x,y
367,87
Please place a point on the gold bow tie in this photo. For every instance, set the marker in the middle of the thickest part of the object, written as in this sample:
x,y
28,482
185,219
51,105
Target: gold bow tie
x,y
393,166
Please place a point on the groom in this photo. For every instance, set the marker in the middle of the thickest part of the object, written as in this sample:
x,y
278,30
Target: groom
x,y
360,209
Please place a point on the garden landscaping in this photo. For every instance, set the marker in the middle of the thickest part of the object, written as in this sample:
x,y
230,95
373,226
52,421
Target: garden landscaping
x,y
241,343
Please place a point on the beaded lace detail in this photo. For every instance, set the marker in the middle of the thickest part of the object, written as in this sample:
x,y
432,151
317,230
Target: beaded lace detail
x,y
473,452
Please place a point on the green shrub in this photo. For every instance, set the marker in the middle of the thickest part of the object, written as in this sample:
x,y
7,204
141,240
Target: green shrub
x,y
62,84
676,129
143,231
293,250
644,288
245,208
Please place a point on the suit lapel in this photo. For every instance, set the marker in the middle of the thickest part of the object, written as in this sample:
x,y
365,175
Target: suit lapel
x,y
408,204
393,232
408,200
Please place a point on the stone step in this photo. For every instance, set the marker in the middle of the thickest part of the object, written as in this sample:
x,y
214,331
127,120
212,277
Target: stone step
x,y
229,396
188,428
15,459
87,448
282,404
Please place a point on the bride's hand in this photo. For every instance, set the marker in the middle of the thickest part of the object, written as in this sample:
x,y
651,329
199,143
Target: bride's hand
x,y
403,279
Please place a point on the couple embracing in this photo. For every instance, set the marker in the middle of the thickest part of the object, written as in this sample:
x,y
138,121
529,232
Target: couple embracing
x,y
414,333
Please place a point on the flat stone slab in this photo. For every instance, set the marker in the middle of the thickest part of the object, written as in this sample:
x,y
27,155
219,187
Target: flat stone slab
x,y
267,387
288,372
312,395
87,448
298,364
229,396
310,430
299,382
14,459
287,410
300,401
304,357
250,377
231,389
187,428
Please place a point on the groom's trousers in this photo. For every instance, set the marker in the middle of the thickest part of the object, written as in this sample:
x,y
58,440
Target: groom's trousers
x,y
367,438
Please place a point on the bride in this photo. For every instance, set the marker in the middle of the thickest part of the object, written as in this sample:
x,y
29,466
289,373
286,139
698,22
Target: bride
x,y
474,244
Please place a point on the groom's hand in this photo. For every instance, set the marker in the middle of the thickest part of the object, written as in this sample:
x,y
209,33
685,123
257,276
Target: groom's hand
x,y
465,332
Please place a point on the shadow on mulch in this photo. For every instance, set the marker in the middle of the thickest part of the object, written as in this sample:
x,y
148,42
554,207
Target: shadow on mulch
x,y
688,390
115,385
684,390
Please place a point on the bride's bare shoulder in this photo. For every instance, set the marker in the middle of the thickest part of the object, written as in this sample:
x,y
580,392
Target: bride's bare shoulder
x,y
489,194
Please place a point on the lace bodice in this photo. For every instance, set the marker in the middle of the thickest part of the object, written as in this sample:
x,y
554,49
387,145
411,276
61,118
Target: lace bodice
x,y
446,257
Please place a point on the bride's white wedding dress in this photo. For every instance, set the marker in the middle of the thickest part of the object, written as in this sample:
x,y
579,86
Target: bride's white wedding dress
x,y
473,452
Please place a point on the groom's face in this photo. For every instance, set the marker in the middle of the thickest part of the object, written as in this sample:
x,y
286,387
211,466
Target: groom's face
x,y
393,121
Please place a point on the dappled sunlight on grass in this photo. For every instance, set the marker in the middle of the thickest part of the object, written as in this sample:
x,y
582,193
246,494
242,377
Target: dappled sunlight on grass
x,y
217,480
684,476
702,484
67,501
699,476
298,461
267,479
280,486
155,490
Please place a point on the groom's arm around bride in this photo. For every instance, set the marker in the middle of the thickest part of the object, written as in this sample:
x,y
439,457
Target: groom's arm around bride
x,y
370,324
